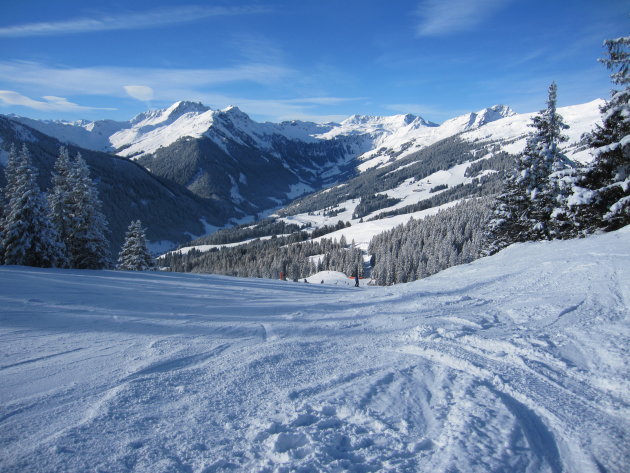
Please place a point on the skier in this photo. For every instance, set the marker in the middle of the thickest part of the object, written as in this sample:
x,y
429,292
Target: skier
x,y
356,280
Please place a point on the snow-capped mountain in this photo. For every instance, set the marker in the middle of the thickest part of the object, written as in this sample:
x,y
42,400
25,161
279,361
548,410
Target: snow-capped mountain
x,y
225,155
248,168
155,129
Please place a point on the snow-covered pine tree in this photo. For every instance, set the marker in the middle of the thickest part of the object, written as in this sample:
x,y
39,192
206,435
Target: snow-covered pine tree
x,y
134,255
601,198
10,175
88,246
28,236
62,212
523,210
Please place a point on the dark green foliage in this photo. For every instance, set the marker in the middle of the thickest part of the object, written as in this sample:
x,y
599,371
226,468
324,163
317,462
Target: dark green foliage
x,y
525,209
333,212
134,255
87,244
262,228
28,237
420,248
371,203
501,162
268,258
438,188
602,195
326,229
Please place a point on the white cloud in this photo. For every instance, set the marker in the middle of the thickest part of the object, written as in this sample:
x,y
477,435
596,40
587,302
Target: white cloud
x,y
50,103
443,17
127,21
139,92
112,80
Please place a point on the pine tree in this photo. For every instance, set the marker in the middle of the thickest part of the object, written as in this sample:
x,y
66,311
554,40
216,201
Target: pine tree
x,y
524,209
134,255
602,196
86,239
10,172
62,211
28,236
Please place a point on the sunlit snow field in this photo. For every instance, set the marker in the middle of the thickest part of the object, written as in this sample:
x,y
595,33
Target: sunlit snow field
x,y
517,362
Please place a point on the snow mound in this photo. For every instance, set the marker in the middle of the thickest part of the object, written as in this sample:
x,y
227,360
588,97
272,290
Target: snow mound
x,y
332,277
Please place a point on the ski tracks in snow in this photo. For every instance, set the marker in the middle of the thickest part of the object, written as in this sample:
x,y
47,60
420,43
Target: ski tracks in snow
x,y
513,363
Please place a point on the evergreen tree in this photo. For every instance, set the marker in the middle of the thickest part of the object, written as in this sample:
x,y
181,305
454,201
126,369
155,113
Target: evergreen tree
x,y
601,198
85,233
28,236
524,209
10,172
62,210
134,255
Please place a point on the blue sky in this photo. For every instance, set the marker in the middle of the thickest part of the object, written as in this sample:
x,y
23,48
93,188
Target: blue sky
x,y
302,59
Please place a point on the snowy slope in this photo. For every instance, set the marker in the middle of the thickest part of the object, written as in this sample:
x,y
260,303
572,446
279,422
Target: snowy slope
x,y
89,135
510,132
497,124
517,362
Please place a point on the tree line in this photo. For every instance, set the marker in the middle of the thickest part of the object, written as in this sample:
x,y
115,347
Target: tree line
x,y
293,257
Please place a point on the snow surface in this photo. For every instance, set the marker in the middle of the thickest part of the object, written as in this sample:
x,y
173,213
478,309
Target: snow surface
x,y
516,362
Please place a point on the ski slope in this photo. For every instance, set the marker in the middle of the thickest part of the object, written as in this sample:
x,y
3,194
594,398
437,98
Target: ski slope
x,y
516,362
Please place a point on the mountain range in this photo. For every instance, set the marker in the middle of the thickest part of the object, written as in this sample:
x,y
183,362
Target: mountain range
x,y
187,169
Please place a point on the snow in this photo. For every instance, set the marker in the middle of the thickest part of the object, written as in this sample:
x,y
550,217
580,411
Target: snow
x,y
89,135
516,362
297,190
203,248
361,232
370,139
335,278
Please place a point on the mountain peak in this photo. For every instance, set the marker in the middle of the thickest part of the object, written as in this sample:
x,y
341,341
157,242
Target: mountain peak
x,y
180,108
172,113
234,112
472,120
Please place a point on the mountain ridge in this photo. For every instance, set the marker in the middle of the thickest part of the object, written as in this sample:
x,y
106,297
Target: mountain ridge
x,y
249,169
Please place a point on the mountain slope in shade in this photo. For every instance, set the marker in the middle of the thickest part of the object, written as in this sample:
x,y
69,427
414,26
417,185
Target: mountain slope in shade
x,y
171,213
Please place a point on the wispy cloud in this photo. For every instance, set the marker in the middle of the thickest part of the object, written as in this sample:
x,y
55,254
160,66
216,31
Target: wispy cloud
x,y
444,17
50,102
308,109
113,81
139,92
127,21
162,86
